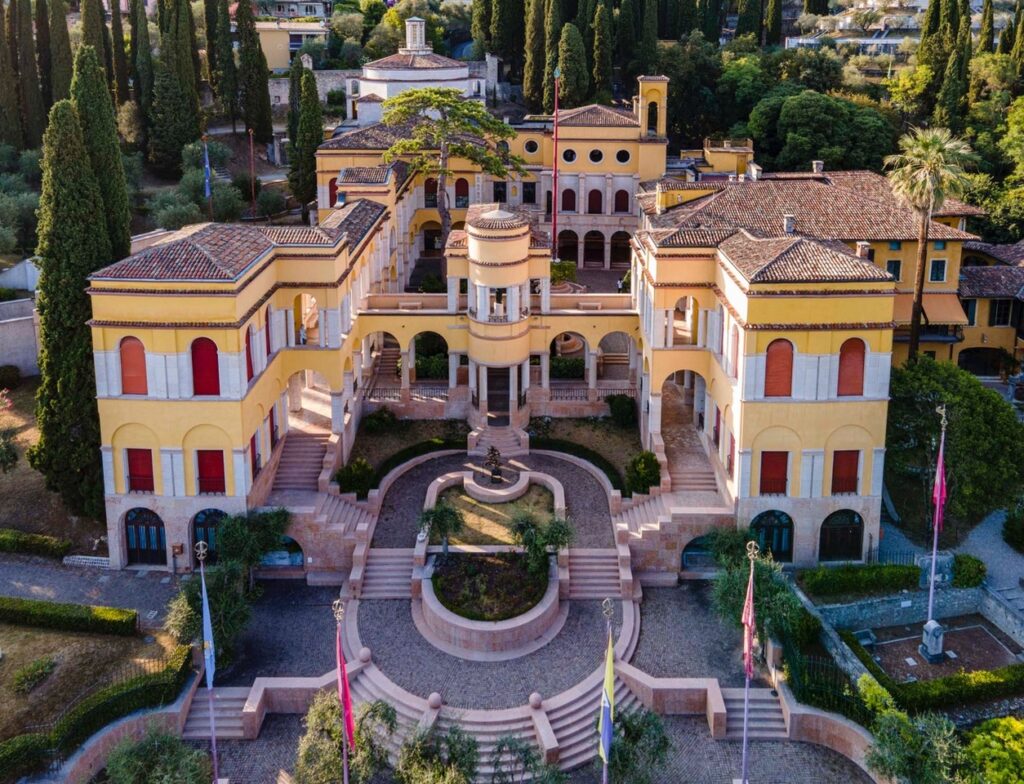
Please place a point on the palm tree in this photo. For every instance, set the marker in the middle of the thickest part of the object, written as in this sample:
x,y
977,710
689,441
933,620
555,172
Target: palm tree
x,y
929,168
443,520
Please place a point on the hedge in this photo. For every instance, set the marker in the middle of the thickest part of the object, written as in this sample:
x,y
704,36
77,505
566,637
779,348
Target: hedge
x,y
572,448
826,581
23,754
68,617
12,541
961,688
968,571
435,444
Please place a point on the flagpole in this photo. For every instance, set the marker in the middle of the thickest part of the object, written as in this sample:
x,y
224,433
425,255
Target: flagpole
x,y
339,615
608,610
937,514
554,174
252,174
748,656
201,551
209,205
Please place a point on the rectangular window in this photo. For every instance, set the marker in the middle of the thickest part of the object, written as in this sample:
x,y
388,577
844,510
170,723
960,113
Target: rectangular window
x,y
210,468
140,470
999,312
774,472
940,244
844,471
529,193
500,191
895,268
937,272
970,307
895,245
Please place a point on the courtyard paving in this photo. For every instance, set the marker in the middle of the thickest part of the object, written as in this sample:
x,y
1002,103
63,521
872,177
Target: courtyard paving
x,y
1005,565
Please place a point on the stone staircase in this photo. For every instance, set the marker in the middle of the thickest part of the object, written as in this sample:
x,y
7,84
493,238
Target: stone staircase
x,y
693,480
386,373
575,723
336,511
645,514
766,719
227,713
594,574
1014,596
506,439
388,574
302,458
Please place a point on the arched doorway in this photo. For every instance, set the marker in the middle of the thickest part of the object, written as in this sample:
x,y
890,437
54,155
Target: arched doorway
x,y
430,192
652,119
306,320
461,193
842,537
773,532
289,554
430,357
432,239
568,246
981,361
620,255
593,249
145,538
204,529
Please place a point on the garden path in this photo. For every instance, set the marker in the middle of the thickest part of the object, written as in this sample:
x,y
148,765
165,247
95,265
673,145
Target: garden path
x,y
985,541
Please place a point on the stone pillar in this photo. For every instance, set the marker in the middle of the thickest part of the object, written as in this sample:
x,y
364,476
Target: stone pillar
x,y
453,370
453,294
481,302
321,326
513,389
337,412
579,252
581,195
609,202
524,376
512,303
472,376
670,324
633,356
408,358
545,295
483,385
607,252
347,386
295,392
367,351
289,327
654,418
545,370
592,375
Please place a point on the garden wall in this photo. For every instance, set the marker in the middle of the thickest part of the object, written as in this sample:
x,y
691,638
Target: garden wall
x,y
19,336
1002,614
902,609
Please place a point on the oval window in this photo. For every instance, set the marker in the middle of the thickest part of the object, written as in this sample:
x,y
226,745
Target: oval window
x,y
596,156
531,146
569,155
622,156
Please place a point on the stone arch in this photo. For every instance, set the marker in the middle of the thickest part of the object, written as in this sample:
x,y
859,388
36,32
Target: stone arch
x,y
430,351
568,245
621,253
593,248
204,528
773,531
613,352
841,537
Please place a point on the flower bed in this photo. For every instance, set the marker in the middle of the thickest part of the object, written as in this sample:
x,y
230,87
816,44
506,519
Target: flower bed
x,y
487,587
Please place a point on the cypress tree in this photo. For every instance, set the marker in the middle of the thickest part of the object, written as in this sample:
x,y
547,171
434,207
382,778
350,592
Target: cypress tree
x,y
1017,52
688,17
180,33
951,104
252,76
121,92
573,64
930,25
94,30
70,249
773,23
11,31
174,118
10,124
533,67
552,36
133,34
602,52
986,39
143,64
502,28
60,51
625,35
227,76
310,134
711,20
193,46
294,97
584,24
43,57
748,21
480,24
212,48
1006,39
649,38
99,132
33,115
949,17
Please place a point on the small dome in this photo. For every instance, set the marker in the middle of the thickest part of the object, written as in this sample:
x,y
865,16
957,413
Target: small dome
x,y
498,219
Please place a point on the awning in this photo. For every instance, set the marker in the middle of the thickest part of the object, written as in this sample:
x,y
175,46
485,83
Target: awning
x,y
939,309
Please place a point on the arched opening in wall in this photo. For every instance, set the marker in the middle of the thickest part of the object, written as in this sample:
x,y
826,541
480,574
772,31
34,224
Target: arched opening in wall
x,y
687,411
461,193
652,119
145,538
613,352
287,556
778,369
386,355
621,201
568,200
431,240
697,556
308,404
306,320
981,361
595,202
568,363
568,246
133,367
593,249
458,225
430,192
621,254
204,529
332,191
684,322
773,532
851,368
430,352
842,537
205,367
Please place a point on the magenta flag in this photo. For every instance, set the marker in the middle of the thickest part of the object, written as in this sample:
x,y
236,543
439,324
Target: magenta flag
x,y
939,491
748,626
344,696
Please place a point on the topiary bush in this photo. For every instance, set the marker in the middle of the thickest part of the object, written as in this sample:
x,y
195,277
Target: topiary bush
x,y
622,409
380,421
356,477
12,541
10,376
643,472
968,571
857,580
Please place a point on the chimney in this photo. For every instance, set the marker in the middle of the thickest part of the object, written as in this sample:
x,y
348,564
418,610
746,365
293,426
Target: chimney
x,y
658,192
753,171
817,166
416,37
863,250
741,177
789,223
732,178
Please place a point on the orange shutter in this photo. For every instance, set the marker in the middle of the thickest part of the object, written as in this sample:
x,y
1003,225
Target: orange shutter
x,y
851,367
133,367
778,371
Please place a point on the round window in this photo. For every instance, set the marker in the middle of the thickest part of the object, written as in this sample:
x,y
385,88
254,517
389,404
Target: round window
x,y
531,146
569,156
596,156
622,156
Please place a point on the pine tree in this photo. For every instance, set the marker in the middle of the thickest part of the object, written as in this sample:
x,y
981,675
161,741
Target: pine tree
x,y
625,35
121,91
70,249
294,97
99,132
480,24
773,23
533,67
174,118
10,124
649,38
227,75
749,20
143,65
310,134
986,39
573,64
60,51
33,116
552,36
602,52
212,47
43,57
252,77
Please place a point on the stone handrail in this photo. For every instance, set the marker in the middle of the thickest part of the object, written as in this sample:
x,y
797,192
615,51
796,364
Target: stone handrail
x,y
677,696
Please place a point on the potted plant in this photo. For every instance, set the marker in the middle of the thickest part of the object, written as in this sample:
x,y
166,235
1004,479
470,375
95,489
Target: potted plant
x,y
493,462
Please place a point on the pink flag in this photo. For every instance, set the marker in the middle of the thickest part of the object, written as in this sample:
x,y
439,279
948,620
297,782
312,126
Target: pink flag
x,y
748,627
344,696
939,491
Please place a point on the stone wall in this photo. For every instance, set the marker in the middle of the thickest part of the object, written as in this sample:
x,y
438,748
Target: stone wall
x,y
1002,614
901,609
19,336
325,82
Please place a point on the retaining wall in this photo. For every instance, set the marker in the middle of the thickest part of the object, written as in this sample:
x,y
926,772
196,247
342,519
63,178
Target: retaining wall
x,y
902,609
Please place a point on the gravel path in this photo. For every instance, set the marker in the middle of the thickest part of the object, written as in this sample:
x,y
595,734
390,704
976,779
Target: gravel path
x,y
386,628
259,761
1005,565
585,499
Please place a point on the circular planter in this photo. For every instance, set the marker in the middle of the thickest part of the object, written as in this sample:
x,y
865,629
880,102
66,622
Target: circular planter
x,y
496,495
464,637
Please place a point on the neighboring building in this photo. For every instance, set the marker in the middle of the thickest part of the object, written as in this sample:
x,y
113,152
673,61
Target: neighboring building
x,y
282,38
301,9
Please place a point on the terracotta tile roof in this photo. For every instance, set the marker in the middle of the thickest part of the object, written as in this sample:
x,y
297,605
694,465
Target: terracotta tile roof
x,y
364,175
355,220
596,115
868,183
400,60
690,238
994,281
493,215
1008,254
371,137
679,184
792,259
371,98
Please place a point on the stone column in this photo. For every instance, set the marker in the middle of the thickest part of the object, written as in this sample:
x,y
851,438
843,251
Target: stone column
x,y
472,377
545,295
633,356
453,370
289,327
408,358
524,376
453,294
337,412
609,202
545,370
608,252
482,295
295,392
579,252
513,389
581,195
670,328
654,418
512,303
592,376
367,352
483,385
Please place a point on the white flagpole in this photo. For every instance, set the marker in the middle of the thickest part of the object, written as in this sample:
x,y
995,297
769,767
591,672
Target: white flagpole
x,y
201,550
744,779
935,521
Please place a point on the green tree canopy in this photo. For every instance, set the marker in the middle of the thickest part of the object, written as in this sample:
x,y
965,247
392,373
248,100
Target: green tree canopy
x,y
253,74
694,68
572,61
60,52
308,137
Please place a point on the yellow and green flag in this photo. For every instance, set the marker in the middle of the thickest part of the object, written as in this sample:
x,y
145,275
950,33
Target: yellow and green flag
x,y
605,722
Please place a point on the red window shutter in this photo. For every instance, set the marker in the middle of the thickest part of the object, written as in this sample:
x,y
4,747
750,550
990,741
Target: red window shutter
x,y
205,372
140,470
266,330
844,471
133,367
461,187
211,470
621,201
851,367
595,202
248,354
778,370
332,191
568,200
774,471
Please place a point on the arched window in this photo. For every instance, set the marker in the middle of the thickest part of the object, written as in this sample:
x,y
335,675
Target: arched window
x,y
568,200
778,369
205,370
568,246
622,201
773,531
842,537
851,367
461,193
145,538
332,191
133,367
652,118
430,192
248,354
595,202
204,529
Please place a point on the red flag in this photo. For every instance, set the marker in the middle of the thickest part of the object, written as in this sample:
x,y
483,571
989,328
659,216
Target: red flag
x,y
344,696
939,491
749,623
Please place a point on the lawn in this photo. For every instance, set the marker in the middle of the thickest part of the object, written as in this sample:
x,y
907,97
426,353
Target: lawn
x,y
27,504
492,523
377,447
85,663
616,444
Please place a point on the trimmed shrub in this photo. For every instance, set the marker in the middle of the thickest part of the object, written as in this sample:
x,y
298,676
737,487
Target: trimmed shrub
x,y
32,674
968,571
10,375
826,581
243,182
432,284
995,751
1013,527
562,271
159,756
380,421
270,202
68,617
24,754
12,541
805,628
643,472
728,546
571,448
356,477
227,203
623,410
567,367
6,295
433,366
